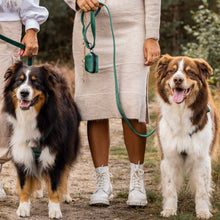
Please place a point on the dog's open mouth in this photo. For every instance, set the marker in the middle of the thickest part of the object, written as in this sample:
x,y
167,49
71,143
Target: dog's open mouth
x,y
26,104
179,94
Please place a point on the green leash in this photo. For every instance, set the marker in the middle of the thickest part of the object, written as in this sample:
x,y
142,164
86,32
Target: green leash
x,y
17,44
92,23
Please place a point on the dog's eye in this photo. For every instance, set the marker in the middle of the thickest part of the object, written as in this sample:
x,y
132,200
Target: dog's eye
x,y
34,79
19,80
171,71
190,72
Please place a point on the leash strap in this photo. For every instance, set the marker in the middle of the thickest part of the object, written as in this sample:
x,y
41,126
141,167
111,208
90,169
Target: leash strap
x,y
92,23
17,44
93,28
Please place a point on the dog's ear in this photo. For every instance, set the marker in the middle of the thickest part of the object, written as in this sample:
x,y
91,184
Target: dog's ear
x,y
204,67
11,70
162,64
52,76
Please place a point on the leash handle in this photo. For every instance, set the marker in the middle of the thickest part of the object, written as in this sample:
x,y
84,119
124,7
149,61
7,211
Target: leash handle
x,y
92,23
17,44
93,28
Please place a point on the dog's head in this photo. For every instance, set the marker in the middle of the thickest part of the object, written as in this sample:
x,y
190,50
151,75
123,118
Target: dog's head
x,y
27,87
182,79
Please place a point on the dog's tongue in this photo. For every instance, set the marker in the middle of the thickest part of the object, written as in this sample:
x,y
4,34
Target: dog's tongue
x,y
25,104
178,96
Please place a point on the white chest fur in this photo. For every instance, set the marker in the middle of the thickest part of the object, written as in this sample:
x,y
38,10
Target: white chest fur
x,y
175,128
24,132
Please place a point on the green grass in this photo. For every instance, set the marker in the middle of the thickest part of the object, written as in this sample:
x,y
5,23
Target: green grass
x,y
119,153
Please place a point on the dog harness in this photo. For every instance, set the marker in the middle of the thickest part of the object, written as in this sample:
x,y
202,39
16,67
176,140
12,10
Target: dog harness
x,y
37,146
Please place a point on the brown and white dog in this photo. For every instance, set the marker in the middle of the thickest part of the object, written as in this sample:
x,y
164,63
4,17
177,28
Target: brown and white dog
x,y
187,130
44,139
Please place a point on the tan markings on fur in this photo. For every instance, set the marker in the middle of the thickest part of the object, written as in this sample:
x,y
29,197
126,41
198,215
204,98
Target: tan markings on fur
x,y
53,196
174,68
37,185
14,98
22,77
33,78
13,67
40,102
64,185
56,196
25,192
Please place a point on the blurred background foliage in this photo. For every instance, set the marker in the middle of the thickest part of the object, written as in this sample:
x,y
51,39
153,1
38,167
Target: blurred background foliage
x,y
187,28
206,32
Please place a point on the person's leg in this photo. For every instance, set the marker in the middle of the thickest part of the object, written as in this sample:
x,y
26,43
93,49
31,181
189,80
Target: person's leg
x,y
135,144
136,149
99,143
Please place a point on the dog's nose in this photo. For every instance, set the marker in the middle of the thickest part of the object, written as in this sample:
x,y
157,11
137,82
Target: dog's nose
x,y
24,93
178,80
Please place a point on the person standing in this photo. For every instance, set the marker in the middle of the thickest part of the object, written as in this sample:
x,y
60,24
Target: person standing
x,y
136,29
14,13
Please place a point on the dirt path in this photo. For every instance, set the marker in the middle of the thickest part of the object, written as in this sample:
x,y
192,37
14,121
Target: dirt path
x,y
81,184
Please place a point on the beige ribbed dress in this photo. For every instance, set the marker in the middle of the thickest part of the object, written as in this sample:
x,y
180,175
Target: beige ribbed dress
x,y
133,22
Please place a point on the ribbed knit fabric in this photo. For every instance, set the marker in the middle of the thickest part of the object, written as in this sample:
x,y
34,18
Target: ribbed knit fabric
x,y
95,93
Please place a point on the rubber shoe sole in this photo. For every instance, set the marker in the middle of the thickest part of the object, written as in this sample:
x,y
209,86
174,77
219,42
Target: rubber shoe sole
x,y
101,202
136,203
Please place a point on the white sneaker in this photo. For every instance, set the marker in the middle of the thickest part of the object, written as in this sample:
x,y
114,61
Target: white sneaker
x,y
2,191
103,194
137,194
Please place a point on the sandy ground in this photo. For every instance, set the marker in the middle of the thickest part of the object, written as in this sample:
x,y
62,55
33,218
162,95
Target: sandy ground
x,y
82,183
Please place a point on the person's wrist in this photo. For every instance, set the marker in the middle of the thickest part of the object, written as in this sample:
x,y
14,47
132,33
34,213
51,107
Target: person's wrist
x,y
32,30
155,39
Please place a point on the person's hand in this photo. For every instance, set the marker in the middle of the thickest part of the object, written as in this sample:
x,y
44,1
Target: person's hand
x,y
151,51
88,5
31,44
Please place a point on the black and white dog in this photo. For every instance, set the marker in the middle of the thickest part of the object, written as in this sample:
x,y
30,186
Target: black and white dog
x,y
44,139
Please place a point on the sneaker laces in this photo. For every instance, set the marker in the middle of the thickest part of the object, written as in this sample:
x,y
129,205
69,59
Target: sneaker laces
x,y
137,179
102,180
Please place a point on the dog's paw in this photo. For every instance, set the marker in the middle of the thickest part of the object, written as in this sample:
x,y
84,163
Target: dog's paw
x,y
168,212
54,210
24,209
67,198
203,213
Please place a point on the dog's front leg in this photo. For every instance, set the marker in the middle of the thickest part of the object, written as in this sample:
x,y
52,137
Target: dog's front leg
x,y
54,200
169,175
200,181
64,186
25,189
